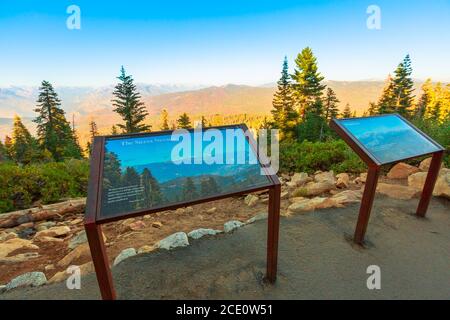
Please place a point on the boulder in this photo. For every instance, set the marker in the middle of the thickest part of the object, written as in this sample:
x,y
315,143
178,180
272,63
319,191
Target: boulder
x,y
33,279
340,199
299,179
81,252
232,225
327,176
442,186
317,188
178,239
55,232
343,180
398,191
21,257
425,164
124,254
198,233
14,244
77,239
305,205
259,216
251,200
401,171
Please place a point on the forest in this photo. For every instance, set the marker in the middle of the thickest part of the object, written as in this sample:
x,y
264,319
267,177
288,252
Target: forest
x,y
52,165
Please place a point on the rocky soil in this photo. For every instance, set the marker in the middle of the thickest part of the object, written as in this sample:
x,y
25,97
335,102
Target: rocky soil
x,y
38,245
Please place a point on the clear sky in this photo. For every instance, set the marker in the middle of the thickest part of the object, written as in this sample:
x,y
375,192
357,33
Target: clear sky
x,y
217,42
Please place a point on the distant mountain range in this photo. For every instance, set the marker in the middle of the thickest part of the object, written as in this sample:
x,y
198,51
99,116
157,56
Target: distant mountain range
x,y
87,103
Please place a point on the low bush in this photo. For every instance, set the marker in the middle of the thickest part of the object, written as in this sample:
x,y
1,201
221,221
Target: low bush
x,y
21,186
312,156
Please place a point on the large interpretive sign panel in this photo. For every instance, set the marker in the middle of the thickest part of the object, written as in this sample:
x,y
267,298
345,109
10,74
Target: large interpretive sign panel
x,y
388,138
147,171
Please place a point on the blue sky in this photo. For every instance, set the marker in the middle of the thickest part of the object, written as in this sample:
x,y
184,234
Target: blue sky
x,y
217,42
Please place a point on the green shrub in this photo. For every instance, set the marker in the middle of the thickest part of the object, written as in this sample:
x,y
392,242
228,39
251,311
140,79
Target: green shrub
x,y
20,186
312,156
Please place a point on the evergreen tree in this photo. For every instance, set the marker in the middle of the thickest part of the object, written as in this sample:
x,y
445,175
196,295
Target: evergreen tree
x,y
165,119
387,101
204,123
53,129
189,190
373,109
93,131
184,122
24,146
403,87
152,190
128,105
131,177
307,85
347,112
3,153
9,147
283,112
114,130
112,173
330,105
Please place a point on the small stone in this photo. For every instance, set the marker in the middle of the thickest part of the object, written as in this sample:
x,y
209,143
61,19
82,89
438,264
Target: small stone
x,y
291,184
343,180
81,252
33,279
401,171
78,239
327,177
212,210
126,222
198,233
59,231
45,225
180,211
7,235
259,216
300,178
76,221
363,177
146,249
125,254
284,195
49,267
251,200
178,239
232,225
157,224
48,239
189,209
317,188
137,225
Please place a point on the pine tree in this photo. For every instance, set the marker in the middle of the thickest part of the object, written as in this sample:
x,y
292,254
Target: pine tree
x,y
330,105
373,109
403,87
307,85
165,119
283,112
9,147
24,146
3,153
347,112
112,173
203,122
128,105
93,131
184,122
387,101
53,129
114,130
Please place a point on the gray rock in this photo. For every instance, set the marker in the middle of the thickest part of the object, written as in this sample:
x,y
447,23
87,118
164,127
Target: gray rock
x,y
251,200
232,225
45,225
198,233
78,239
125,254
259,216
33,279
2,288
178,239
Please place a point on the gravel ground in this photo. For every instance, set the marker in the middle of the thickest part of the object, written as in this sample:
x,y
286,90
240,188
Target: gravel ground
x,y
316,261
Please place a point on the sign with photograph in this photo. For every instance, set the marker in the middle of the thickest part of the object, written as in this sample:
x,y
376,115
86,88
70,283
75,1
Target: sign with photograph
x,y
388,138
157,170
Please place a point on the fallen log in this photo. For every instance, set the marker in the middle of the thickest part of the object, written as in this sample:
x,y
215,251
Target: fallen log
x,y
47,212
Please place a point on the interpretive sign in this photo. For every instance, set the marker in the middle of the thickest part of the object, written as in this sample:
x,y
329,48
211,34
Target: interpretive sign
x,y
387,139
138,174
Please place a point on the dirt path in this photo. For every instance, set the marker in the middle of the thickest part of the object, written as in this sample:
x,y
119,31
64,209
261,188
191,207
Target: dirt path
x,y
316,261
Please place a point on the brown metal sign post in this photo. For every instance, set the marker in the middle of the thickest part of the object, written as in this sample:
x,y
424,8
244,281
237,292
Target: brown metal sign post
x,y
387,139
95,215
